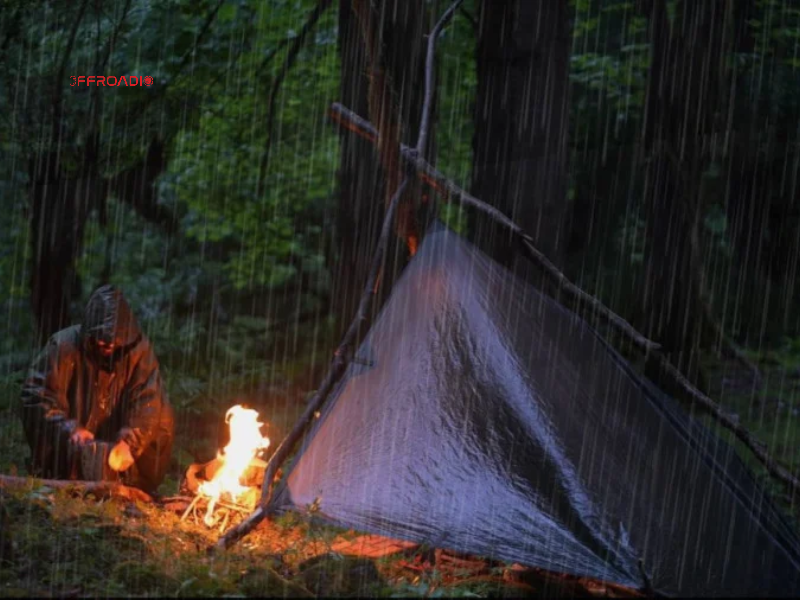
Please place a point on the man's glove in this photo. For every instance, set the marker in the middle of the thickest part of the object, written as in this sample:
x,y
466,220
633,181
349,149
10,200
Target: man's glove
x,y
81,436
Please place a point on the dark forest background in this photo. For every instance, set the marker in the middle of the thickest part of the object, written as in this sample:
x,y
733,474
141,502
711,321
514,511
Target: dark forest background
x,y
650,147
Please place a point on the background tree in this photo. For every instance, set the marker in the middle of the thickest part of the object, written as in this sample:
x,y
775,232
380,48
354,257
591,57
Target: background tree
x,y
362,178
685,96
521,120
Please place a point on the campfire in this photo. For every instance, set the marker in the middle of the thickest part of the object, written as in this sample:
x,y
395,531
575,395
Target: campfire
x,y
231,481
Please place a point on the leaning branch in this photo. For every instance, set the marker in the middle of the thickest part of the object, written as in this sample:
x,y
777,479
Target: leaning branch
x,y
468,16
729,421
451,192
726,346
343,355
426,106
112,40
101,489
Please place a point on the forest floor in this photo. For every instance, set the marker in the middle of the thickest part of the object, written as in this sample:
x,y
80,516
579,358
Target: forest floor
x,y
54,544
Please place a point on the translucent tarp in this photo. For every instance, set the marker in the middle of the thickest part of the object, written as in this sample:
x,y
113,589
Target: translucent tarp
x,y
482,417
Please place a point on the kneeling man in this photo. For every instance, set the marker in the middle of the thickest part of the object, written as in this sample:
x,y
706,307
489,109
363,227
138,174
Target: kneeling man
x,y
96,391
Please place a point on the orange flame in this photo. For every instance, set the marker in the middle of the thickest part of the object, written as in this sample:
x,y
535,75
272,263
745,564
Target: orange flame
x,y
245,442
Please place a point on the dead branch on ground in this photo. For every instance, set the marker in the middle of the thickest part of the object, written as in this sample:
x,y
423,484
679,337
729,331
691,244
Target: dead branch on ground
x,y
101,489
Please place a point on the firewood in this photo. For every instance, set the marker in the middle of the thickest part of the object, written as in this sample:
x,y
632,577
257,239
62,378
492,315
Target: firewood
x,y
101,489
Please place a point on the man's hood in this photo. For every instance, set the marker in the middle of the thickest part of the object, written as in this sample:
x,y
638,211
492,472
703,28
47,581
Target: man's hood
x,y
109,317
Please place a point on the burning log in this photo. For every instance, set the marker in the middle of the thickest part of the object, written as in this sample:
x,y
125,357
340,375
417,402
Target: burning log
x,y
232,480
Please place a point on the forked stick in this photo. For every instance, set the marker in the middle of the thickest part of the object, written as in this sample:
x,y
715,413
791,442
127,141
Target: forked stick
x,y
350,121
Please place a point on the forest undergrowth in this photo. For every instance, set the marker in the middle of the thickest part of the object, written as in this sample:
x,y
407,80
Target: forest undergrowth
x,y
57,545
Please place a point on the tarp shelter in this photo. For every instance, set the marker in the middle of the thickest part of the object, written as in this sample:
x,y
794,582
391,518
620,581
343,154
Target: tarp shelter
x,y
481,416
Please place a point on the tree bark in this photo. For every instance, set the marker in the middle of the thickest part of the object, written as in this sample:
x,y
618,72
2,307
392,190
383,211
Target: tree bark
x,y
59,206
685,89
362,179
760,186
520,151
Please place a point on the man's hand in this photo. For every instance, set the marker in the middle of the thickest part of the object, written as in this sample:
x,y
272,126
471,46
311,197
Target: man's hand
x,y
120,458
81,436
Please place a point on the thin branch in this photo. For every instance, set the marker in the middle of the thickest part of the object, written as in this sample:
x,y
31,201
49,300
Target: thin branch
x,y
451,192
112,40
91,149
577,296
13,29
382,111
220,73
426,106
160,92
291,57
70,44
274,52
241,530
220,111
730,421
203,31
191,507
726,346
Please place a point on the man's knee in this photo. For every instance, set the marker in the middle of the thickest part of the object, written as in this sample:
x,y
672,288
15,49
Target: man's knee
x,y
149,470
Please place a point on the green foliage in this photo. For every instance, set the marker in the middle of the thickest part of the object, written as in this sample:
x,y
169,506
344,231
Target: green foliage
x,y
457,83
608,67
68,546
237,299
214,65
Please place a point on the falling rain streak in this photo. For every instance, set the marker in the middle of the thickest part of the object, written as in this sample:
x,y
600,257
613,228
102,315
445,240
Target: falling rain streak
x,y
568,361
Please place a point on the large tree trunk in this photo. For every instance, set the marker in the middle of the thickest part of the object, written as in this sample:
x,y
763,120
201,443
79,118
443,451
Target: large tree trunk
x,y
60,205
761,187
361,206
684,93
520,149
58,210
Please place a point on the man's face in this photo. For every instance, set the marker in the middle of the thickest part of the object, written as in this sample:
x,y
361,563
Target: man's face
x,y
105,348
